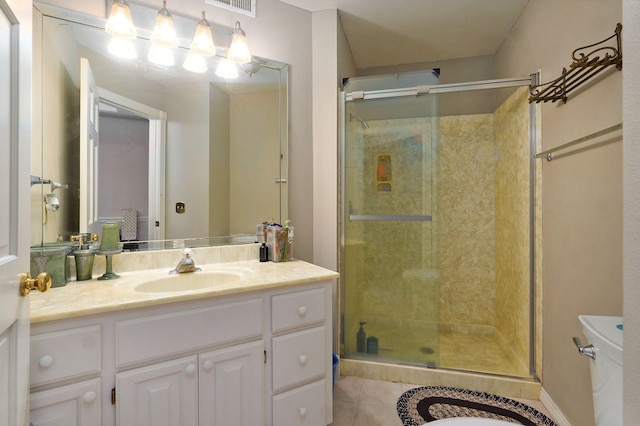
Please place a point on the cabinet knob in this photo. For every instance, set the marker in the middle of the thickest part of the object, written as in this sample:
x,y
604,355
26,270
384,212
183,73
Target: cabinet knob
x,y
46,361
303,412
89,397
208,365
190,370
302,359
302,311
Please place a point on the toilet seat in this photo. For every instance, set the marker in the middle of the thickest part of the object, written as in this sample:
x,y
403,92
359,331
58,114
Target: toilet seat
x,y
468,421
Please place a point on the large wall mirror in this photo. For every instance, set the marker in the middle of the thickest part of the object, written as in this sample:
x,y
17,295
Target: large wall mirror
x,y
171,154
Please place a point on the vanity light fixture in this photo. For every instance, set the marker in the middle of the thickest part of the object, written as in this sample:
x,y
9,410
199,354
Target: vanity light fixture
x,y
239,50
122,31
227,69
163,38
202,46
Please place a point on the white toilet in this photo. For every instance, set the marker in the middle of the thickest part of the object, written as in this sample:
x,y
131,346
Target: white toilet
x,y
469,421
605,350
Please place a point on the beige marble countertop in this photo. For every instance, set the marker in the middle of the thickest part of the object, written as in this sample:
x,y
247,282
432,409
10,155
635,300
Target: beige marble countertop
x,y
80,298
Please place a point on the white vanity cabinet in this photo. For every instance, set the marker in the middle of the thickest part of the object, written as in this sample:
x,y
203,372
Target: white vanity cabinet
x,y
255,358
301,345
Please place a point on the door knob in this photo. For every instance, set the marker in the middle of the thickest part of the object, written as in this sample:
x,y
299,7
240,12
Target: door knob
x,y
42,283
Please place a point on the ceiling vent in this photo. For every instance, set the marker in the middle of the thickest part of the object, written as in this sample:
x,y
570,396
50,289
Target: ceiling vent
x,y
246,7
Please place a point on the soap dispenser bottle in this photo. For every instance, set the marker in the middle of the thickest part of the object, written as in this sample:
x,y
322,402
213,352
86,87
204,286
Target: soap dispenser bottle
x,y
361,338
264,252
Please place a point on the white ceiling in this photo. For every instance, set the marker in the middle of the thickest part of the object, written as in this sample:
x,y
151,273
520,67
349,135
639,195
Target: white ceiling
x,y
393,32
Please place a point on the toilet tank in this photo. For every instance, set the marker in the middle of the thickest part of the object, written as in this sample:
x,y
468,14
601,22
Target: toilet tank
x,y
605,334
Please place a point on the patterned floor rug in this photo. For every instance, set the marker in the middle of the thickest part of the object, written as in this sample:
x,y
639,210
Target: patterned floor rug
x,y
429,403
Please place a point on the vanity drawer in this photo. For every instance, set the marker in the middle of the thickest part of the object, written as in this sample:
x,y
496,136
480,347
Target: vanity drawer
x,y
301,406
299,357
298,309
156,336
64,354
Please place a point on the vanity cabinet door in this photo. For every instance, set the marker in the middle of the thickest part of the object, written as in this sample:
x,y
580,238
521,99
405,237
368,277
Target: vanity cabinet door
x,y
77,404
231,384
163,394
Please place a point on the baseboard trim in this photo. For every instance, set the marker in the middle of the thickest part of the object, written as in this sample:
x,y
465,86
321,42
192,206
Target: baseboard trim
x,y
554,411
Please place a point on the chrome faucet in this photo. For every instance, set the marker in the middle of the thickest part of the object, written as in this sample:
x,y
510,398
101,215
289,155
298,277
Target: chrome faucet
x,y
85,239
186,264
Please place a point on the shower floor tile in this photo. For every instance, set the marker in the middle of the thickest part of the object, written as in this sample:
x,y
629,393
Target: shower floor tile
x,y
480,353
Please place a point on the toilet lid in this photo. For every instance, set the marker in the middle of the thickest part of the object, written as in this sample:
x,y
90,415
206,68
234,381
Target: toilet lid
x,y
468,421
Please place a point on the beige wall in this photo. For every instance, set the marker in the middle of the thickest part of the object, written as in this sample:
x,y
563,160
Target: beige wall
x,y
250,202
581,192
61,120
219,135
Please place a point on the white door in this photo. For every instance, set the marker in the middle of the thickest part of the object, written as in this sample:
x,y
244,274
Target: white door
x,y
15,149
89,113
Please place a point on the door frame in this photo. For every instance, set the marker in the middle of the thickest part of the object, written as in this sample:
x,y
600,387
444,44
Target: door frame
x,y
157,148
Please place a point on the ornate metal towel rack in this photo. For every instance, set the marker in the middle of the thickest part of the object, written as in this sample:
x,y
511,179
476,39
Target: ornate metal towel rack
x,y
586,64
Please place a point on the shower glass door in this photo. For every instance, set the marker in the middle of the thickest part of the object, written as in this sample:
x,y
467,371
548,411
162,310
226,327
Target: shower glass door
x,y
389,236
436,224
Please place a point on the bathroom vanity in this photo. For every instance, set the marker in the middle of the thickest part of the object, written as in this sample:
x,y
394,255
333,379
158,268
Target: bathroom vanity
x,y
239,343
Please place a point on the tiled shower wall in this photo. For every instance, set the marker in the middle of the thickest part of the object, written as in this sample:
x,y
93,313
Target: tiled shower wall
x,y
511,138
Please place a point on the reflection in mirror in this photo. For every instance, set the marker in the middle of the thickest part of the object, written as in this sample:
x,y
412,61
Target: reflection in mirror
x,y
182,155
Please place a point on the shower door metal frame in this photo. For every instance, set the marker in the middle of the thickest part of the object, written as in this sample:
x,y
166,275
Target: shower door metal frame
x,y
358,96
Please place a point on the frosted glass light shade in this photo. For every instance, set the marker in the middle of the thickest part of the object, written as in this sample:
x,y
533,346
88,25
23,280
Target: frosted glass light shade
x,y
227,69
122,47
161,55
195,63
120,22
202,43
163,38
164,33
239,50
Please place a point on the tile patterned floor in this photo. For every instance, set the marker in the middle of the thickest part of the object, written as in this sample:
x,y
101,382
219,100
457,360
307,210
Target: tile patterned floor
x,y
365,402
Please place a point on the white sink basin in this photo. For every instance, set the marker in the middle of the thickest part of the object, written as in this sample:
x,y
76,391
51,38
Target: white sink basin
x,y
189,281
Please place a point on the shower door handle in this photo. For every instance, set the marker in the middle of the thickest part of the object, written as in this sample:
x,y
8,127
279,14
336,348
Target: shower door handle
x,y
382,217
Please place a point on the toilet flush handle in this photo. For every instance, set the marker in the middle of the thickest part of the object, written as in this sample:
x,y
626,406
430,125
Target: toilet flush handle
x,y
589,351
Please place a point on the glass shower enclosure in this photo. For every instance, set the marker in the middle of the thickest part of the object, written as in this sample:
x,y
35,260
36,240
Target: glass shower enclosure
x,y
436,223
